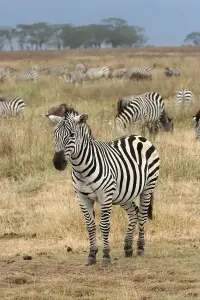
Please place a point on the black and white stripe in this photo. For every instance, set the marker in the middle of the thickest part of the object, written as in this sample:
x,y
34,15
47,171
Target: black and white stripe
x,y
110,173
13,107
57,70
169,72
148,108
27,76
138,73
196,119
185,95
91,74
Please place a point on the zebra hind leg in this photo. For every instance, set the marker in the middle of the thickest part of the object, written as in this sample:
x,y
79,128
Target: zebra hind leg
x,y
132,211
145,210
105,229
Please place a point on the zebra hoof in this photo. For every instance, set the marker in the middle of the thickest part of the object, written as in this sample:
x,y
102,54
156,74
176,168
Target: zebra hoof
x,y
91,261
129,253
106,262
140,252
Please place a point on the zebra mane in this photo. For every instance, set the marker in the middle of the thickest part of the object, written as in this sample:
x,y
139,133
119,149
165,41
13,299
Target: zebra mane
x,y
121,104
70,111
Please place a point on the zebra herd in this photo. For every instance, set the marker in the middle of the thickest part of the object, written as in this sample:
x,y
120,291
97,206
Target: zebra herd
x,y
109,173
82,73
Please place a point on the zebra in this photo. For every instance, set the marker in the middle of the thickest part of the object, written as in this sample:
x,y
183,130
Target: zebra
x,y
27,76
78,75
57,70
147,108
196,119
138,73
169,72
118,73
110,173
185,95
90,74
13,107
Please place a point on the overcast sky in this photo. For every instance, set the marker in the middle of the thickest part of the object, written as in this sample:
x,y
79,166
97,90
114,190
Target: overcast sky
x,y
167,22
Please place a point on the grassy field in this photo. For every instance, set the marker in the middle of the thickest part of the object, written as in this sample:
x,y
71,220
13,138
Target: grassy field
x,y
40,216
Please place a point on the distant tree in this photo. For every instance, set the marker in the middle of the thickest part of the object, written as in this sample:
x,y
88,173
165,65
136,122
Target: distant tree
x,y
193,37
9,34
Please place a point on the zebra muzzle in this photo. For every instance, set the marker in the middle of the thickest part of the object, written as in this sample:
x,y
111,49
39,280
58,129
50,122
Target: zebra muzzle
x,y
59,161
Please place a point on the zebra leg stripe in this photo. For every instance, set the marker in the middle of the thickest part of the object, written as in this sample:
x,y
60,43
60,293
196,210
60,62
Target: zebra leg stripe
x,y
132,211
87,208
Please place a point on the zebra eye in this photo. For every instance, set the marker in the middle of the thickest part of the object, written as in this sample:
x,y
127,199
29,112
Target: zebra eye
x,y
71,134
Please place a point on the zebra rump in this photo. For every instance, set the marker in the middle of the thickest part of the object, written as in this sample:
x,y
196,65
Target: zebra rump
x,y
185,95
11,107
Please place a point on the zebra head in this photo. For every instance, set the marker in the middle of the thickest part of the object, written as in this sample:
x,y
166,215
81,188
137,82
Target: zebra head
x,y
69,132
166,123
196,119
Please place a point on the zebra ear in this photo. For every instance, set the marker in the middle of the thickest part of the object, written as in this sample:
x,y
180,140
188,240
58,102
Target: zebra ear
x,y
55,119
194,118
81,118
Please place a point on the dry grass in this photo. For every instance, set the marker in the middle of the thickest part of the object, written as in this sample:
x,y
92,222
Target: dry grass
x,y
40,216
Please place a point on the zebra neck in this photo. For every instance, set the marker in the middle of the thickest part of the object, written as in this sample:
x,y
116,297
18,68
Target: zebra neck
x,y
83,154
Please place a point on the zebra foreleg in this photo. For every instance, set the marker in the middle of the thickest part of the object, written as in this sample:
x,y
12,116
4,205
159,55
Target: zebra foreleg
x,y
132,211
145,210
105,229
87,207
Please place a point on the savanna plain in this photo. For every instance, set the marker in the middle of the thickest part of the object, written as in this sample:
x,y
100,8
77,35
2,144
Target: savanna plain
x,y
40,215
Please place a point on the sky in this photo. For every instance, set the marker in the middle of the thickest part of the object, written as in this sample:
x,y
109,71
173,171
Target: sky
x,y
166,22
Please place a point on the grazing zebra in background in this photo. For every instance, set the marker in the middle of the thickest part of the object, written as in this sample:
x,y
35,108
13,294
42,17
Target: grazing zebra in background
x,y
57,70
91,74
27,76
118,73
110,173
148,108
196,119
13,107
139,73
40,69
185,95
169,72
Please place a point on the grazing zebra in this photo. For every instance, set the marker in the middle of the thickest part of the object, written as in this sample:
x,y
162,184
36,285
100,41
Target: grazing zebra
x,y
185,95
90,74
118,73
196,119
13,107
110,173
57,70
27,76
148,108
139,73
169,72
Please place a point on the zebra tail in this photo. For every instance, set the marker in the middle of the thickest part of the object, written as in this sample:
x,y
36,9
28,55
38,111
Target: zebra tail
x,y
150,208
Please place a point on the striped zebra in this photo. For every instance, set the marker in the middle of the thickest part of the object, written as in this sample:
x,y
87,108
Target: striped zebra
x,y
196,119
13,107
169,72
139,73
185,96
110,173
27,76
90,74
148,108
119,73
57,70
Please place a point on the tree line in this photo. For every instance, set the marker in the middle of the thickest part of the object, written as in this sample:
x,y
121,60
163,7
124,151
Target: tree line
x,y
111,32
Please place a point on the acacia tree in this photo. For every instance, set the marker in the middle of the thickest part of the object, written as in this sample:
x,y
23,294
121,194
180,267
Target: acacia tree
x,y
193,37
